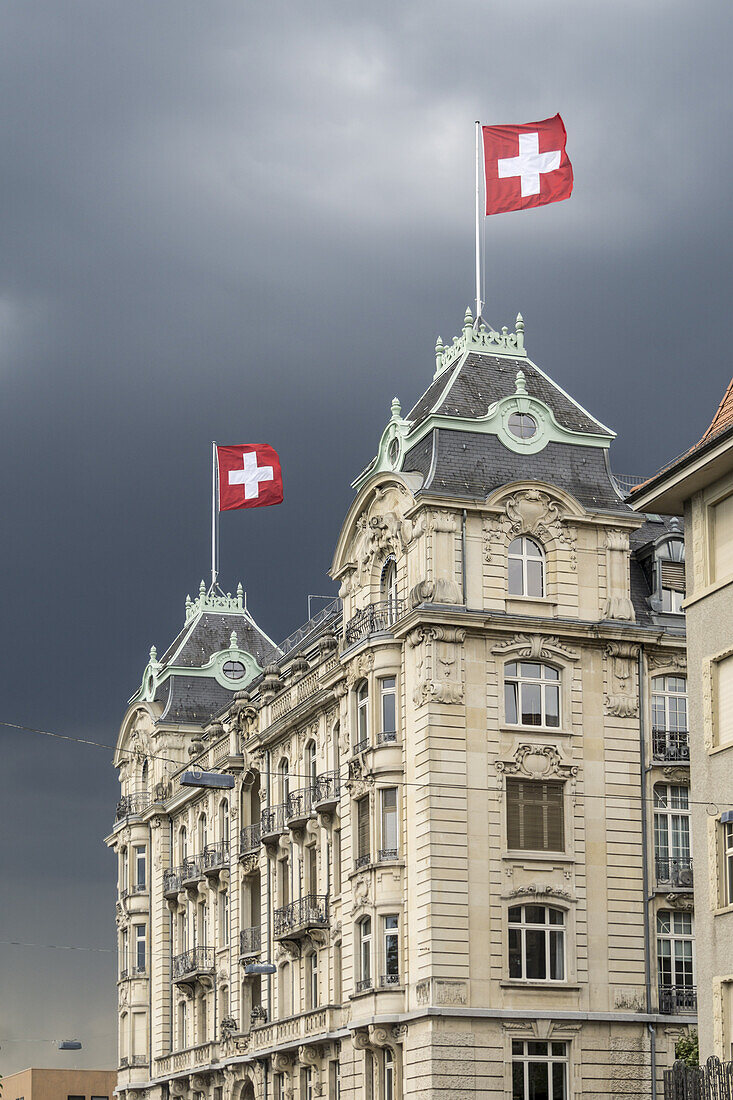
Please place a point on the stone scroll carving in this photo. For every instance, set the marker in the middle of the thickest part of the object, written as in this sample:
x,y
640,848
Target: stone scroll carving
x,y
438,664
535,647
622,698
618,602
537,762
530,512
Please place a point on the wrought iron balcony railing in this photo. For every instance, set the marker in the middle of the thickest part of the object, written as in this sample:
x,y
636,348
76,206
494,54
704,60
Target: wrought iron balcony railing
x,y
198,960
327,790
136,888
299,805
273,821
387,854
138,1060
674,871
363,985
362,861
387,980
250,940
677,998
360,746
131,804
172,881
310,911
671,746
249,839
377,617
387,737
215,856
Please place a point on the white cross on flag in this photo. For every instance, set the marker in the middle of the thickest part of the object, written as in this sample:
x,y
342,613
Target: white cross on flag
x,y
526,165
249,476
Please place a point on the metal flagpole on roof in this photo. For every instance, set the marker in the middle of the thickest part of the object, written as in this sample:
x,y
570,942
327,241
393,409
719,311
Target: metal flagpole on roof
x,y
214,520
479,303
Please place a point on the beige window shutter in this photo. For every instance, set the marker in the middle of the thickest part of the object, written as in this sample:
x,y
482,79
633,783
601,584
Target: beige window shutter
x,y
722,537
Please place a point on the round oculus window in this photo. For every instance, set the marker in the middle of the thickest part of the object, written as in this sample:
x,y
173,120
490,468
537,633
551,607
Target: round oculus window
x,y
394,451
522,425
234,670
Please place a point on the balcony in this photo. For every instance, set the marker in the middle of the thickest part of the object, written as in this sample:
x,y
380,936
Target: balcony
x,y
301,916
172,882
273,823
387,981
326,792
362,861
132,804
133,972
376,618
364,985
299,807
387,737
677,998
191,872
192,964
215,857
360,746
249,839
675,871
250,940
387,855
132,891
671,746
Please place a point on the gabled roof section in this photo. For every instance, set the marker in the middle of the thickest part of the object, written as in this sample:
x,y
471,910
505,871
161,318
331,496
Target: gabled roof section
x,y
723,418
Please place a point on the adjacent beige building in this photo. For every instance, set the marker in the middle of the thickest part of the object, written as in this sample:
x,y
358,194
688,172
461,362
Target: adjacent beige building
x,y
60,1084
459,822
701,483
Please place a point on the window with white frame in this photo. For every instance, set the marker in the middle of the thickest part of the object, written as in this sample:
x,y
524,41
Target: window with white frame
x,y
140,867
728,858
285,990
202,931
307,1084
312,979
535,815
224,917
362,716
388,1066
539,1070
531,694
182,1024
334,1076
388,709
224,821
669,718
311,767
140,948
388,590
203,831
363,845
284,770
673,861
124,870
537,943
674,952
278,1084
526,575
389,848
364,940
390,931
182,843
124,952
723,704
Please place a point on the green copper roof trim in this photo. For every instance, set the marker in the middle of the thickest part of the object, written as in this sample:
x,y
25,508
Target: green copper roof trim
x,y
482,339
155,674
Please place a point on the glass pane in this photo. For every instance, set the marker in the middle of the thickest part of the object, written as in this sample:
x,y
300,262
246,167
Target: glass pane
x,y
550,673
663,923
533,550
531,705
517,1046
539,1084
389,724
515,953
530,670
537,1050
515,585
556,916
534,914
557,960
518,1079
558,1050
558,1080
392,958
515,914
536,951
510,703
535,586
552,706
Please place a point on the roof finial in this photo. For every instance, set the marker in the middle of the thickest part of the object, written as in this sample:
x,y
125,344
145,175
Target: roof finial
x,y
396,408
519,383
439,349
468,320
153,654
233,641
202,590
519,329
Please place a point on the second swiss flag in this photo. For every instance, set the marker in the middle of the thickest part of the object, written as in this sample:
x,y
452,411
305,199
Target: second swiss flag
x,y
526,165
249,476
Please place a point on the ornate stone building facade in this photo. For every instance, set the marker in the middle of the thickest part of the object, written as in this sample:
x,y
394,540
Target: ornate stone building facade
x,y
458,826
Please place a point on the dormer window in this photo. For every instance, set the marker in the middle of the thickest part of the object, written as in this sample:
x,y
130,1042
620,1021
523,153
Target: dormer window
x,y
522,425
233,670
526,568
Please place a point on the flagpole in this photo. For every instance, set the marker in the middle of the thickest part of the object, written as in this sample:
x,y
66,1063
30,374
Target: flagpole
x,y
479,303
214,519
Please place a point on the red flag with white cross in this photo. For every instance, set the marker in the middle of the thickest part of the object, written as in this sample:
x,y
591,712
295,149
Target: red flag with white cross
x,y
249,476
526,165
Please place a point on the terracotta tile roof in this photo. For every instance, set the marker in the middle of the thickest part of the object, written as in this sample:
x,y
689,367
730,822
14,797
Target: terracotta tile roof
x,y
723,417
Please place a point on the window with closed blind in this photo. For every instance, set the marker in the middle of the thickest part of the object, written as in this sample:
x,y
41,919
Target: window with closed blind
x,y
535,815
721,538
723,724
362,831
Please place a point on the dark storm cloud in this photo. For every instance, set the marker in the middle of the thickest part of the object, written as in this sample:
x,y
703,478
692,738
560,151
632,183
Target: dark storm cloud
x,y
250,222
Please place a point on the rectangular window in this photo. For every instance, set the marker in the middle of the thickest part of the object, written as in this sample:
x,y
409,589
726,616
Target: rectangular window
x,y
140,868
728,856
390,847
365,950
674,957
337,861
539,1070
224,916
334,1076
535,815
721,516
278,1083
140,948
306,1086
536,943
724,701
387,691
362,830
391,975
124,953
124,871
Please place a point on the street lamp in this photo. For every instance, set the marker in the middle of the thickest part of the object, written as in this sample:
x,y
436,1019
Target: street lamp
x,y
260,968
211,780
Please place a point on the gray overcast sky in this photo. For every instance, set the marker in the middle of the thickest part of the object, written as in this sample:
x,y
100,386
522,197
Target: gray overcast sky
x,y
249,222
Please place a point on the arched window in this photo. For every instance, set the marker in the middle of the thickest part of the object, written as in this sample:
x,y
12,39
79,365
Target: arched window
x,y
144,771
670,739
182,844
284,771
526,568
362,716
537,943
311,769
388,590
672,856
203,837
311,978
224,821
531,694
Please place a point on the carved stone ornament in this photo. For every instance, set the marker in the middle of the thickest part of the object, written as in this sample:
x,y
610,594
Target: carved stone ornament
x,y
535,647
622,697
360,1039
673,660
359,668
530,512
537,889
381,530
438,664
442,590
281,1063
360,893
684,903
630,999
309,1055
537,762
677,775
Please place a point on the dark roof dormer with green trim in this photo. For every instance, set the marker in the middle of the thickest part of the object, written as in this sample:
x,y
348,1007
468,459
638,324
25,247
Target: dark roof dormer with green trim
x,y
219,651
491,416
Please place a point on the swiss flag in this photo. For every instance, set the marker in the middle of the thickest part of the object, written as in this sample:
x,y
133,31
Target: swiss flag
x,y
249,476
526,165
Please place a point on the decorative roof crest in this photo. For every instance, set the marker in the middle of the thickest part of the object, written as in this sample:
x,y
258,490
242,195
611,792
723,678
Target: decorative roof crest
x,y
480,338
211,601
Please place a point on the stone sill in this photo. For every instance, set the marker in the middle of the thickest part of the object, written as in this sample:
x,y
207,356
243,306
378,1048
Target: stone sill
x,y
721,912
528,731
533,985
535,857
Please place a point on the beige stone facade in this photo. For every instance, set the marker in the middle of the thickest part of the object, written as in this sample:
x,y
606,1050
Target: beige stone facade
x,y
60,1084
701,482
451,824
